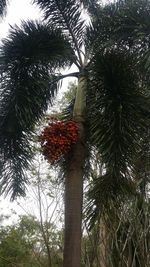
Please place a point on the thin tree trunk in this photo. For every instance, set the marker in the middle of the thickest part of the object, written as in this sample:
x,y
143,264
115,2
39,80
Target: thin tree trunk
x,y
74,187
45,237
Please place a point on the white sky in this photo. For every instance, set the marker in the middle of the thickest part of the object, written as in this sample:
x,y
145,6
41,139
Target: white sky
x,y
18,10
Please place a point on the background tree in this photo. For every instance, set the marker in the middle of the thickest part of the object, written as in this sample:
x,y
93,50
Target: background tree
x,y
44,202
14,249
22,245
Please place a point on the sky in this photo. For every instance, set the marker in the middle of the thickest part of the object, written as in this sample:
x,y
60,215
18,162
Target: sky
x,y
18,10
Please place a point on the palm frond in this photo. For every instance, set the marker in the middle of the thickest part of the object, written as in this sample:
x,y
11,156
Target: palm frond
x,y
141,171
67,16
132,19
3,4
106,192
15,151
133,27
99,32
90,5
34,43
29,57
122,23
117,100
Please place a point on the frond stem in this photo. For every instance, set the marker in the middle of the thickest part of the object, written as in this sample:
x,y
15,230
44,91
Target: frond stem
x,y
76,44
72,35
61,76
77,63
73,74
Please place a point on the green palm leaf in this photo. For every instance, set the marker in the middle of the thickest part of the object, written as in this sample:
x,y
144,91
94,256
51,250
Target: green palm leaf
x,y
123,23
29,57
132,19
133,27
67,16
38,43
117,107
15,161
99,33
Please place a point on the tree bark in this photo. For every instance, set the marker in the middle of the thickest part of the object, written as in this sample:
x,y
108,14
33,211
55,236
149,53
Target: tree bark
x,y
73,203
74,186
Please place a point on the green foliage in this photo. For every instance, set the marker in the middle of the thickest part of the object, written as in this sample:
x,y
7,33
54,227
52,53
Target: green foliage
x,y
22,244
118,107
120,237
67,16
30,66
27,89
13,247
69,95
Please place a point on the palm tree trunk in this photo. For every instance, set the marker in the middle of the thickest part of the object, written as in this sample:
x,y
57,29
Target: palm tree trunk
x,y
73,204
74,186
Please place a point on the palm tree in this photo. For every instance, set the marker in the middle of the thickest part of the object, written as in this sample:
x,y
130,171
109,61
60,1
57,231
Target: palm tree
x,y
109,107
2,6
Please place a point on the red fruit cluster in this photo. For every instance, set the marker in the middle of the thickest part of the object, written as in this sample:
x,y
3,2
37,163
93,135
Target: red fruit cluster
x,y
57,139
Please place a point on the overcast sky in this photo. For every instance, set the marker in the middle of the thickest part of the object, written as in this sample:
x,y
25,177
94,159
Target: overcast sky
x,y
18,10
